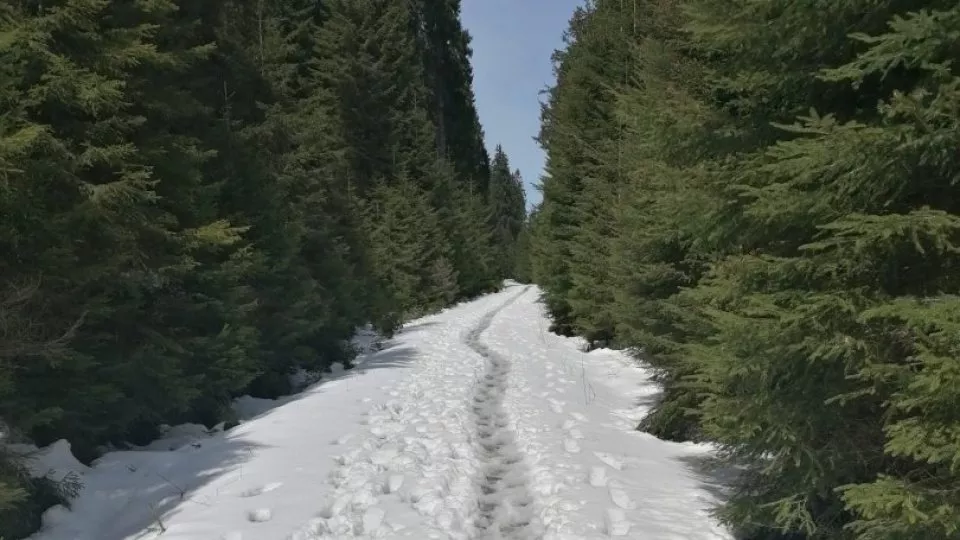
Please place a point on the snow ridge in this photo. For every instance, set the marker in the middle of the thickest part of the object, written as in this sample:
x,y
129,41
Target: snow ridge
x,y
505,505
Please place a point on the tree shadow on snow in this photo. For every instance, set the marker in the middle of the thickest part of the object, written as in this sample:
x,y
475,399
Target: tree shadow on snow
x,y
714,475
417,326
646,402
391,356
154,486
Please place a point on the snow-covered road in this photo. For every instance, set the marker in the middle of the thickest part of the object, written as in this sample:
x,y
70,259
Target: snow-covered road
x,y
471,424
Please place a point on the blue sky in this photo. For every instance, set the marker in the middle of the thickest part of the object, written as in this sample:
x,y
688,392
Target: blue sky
x,y
512,44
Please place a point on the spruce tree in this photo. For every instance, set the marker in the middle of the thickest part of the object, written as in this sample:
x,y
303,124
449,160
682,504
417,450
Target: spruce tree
x,y
465,216
911,245
781,247
410,255
507,211
203,197
562,184
464,168
133,240
664,210
445,47
789,319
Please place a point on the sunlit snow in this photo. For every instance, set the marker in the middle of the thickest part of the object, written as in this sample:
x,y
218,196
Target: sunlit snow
x,y
473,423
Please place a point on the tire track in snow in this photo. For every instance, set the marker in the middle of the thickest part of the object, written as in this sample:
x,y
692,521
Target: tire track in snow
x,y
505,505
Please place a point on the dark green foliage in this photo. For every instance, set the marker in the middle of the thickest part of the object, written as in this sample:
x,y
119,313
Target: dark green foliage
x,y
124,228
507,212
445,47
523,264
410,253
780,244
23,499
580,133
199,198
473,249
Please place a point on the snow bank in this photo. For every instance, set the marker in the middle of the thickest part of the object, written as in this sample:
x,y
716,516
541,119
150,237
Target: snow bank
x,y
55,462
575,416
471,423
382,449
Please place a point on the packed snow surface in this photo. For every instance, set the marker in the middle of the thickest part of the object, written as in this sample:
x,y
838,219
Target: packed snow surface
x,y
473,424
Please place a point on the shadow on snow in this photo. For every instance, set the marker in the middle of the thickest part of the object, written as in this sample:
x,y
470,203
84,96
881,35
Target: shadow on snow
x,y
157,485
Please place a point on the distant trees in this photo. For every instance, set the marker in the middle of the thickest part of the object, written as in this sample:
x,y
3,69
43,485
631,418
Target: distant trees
x,y
508,212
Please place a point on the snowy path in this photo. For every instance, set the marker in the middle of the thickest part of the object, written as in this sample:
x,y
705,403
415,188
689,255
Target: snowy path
x,y
472,424
503,494
593,474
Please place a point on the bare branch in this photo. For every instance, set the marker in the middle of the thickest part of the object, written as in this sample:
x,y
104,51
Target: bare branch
x,y
20,334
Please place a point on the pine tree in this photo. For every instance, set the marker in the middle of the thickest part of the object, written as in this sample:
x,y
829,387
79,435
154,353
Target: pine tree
x,y
132,235
445,48
465,216
379,115
782,247
523,264
507,210
203,197
579,135
665,208
319,284
787,318
409,252
559,188
22,334
463,169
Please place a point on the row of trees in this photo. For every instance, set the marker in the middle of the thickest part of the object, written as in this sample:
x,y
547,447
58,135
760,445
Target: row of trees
x,y
199,198
760,197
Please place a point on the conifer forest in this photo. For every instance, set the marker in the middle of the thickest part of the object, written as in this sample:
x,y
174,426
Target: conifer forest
x,y
756,197
199,198
753,197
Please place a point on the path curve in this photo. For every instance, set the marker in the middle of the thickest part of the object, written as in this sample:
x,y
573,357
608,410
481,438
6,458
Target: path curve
x,y
504,500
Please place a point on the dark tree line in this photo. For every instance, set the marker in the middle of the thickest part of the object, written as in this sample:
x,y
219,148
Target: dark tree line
x,y
199,198
759,197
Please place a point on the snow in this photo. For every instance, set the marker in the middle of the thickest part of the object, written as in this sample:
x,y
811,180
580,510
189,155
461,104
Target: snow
x,y
474,423
55,462
575,415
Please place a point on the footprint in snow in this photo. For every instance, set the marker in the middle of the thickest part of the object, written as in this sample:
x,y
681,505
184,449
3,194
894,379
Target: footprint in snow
x,y
383,457
598,477
260,490
609,460
394,483
621,499
556,406
260,515
344,439
616,522
372,519
571,446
